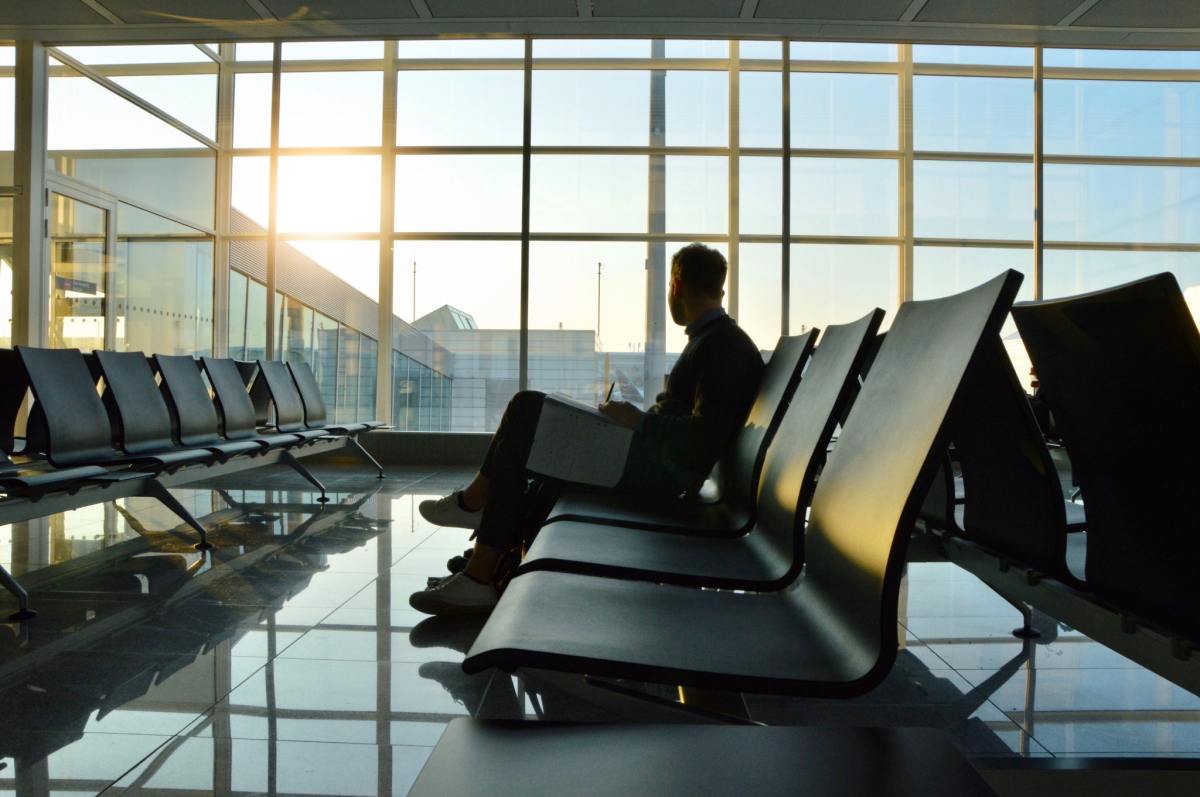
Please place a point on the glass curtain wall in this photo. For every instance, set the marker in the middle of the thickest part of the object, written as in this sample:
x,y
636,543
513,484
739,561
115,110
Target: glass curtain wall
x,y
133,199
913,172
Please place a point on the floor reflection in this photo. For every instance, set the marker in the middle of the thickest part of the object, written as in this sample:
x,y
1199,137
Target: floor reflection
x,y
287,661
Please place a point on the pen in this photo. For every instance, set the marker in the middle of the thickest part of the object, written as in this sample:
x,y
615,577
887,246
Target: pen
x,y
608,398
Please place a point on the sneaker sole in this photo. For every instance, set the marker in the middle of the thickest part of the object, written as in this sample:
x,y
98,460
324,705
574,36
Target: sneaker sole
x,y
440,608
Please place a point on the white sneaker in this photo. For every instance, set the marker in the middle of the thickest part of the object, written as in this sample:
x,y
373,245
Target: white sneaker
x,y
446,512
456,594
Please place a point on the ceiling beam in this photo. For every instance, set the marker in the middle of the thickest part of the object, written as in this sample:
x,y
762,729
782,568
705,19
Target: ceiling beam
x,y
585,8
1079,11
911,12
749,9
104,12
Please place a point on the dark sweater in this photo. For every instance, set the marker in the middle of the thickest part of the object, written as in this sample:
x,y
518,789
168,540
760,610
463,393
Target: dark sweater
x,y
695,420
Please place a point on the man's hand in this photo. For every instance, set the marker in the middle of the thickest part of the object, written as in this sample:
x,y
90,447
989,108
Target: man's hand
x,y
621,412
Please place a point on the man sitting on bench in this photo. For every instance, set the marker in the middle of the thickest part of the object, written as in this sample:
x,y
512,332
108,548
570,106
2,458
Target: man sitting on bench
x,y
675,443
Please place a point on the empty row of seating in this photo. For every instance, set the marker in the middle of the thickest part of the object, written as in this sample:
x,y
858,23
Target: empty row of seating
x,y
1120,371
118,423
814,611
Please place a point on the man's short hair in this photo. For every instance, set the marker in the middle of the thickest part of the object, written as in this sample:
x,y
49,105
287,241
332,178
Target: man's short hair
x,y
701,268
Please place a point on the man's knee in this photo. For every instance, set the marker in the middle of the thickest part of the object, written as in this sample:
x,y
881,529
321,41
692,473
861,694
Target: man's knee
x,y
525,402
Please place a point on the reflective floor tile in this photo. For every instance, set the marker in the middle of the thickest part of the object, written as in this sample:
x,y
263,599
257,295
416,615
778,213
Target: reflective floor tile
x,y
261,766
86,763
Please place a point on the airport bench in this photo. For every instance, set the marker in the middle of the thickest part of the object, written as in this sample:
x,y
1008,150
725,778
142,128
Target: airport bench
x,y
740,471
771,553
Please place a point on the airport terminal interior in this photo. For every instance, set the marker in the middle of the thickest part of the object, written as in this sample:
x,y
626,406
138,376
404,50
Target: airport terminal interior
x,y
431,205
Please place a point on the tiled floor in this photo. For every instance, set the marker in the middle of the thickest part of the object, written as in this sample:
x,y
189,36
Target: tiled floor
x,y
290,662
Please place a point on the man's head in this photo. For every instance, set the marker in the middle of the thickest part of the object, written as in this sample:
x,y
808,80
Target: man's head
x,y
697,282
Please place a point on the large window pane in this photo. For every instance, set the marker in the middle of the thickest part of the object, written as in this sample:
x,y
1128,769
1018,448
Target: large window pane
x,y
697,194
697,109
833,111
256,321
962,199
331,51
238,286
589,193
460,48
844,196
100,55
164,285
330,109
837,284
368,370
1123,59
250,189
252,110
192,99
591,108
760,196
696,48
972,114
466,299
760,111
943,270
334,193
355,263
458,193
345,405
446,108
574,350
751,49
591,48
760,281
960,54
842,51
1109,117
1144,204
1070,272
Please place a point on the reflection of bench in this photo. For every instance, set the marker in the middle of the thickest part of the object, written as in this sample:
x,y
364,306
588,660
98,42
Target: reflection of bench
x,y
1120,370
56,693
136,439
831,633
741,470
771,553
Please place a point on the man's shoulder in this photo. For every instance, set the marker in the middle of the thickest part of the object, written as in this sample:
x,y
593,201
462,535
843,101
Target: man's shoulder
x,y
728,335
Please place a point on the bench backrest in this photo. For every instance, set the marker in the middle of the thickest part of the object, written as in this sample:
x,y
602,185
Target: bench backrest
x,y
135,403
14,385
289,409
195,415
69,423
1014,499
1120,370
797,449
743,464
872,485
315,412
236,408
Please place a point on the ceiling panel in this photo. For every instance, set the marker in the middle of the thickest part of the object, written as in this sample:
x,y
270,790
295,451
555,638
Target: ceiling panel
x,y
696,9
49,12
489,9
341,9
1010,12
889,10
1142,14
167,11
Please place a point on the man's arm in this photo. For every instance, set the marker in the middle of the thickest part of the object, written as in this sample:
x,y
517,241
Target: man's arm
x,y
727,382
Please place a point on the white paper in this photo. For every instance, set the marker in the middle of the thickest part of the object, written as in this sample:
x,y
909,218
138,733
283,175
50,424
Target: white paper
x,y
574,442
